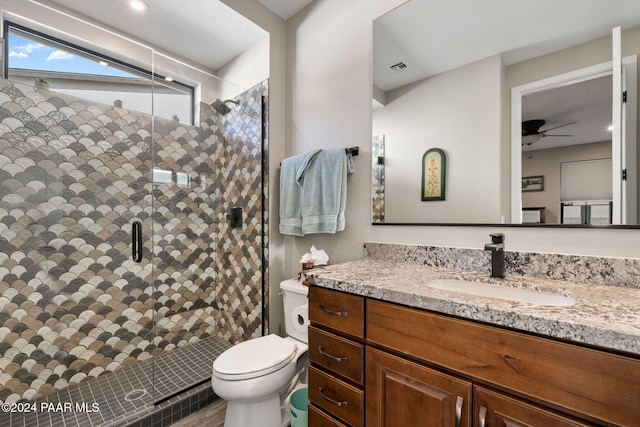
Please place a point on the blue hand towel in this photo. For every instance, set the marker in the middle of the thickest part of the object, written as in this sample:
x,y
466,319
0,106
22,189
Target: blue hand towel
x,y
291,178
324,193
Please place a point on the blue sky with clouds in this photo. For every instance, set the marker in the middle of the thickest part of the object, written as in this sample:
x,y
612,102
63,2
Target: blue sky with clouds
x,y
28,54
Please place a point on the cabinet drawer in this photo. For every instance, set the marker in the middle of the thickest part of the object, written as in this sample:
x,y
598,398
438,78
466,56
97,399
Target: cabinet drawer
x,y
338,355
317,418
337,310
503,411
336,397
596,384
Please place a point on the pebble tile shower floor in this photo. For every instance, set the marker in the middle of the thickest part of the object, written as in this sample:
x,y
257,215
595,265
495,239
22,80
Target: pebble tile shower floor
x,y
119,399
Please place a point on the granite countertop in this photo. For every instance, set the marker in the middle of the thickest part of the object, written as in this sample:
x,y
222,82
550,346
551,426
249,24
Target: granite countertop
x,y
603,316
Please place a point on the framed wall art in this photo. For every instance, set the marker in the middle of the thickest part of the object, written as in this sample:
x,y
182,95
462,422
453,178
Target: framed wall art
x,y
533,183
434,168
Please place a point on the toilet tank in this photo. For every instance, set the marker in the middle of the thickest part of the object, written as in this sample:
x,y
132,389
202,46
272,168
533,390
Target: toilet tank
x,y
296,309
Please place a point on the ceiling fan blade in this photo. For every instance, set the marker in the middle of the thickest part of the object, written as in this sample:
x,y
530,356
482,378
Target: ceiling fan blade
x,y
556,127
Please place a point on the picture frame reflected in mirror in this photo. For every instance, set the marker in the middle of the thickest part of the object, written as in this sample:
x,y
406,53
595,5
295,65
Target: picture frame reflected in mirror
x,y
533,183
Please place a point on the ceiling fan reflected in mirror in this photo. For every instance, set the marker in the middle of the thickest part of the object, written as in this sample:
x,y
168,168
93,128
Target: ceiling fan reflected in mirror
x,y
531,131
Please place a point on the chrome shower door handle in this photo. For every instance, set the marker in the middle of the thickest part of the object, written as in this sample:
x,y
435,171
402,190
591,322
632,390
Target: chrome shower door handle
x,y
136,241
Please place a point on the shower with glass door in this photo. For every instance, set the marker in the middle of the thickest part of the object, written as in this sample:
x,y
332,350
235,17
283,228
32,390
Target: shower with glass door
x,y
121,276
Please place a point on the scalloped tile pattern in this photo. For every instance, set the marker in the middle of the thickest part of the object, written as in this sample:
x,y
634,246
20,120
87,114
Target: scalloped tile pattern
x,y
73,176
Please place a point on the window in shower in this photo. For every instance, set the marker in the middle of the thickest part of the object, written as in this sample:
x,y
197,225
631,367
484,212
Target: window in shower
x,y
37,59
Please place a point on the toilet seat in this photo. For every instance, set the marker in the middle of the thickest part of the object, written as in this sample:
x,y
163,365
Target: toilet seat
x,y
254,358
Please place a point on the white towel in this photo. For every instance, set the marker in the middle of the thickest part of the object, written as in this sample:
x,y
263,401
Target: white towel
x,y
291,176
324,193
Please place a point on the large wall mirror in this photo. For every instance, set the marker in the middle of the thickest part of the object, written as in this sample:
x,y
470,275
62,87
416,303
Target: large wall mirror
x,y
445,75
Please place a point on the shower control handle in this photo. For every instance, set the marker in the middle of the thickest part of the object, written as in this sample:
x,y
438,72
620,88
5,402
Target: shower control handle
x,y
136,241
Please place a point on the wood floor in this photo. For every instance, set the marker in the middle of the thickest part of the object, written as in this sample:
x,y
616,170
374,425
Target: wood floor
x,y
210,416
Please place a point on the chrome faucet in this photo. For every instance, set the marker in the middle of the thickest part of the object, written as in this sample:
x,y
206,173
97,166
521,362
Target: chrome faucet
x,y
497,254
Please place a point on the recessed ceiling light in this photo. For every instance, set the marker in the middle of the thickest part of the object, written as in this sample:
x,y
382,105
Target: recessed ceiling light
x,y
610,128
169,79
103,63
139,5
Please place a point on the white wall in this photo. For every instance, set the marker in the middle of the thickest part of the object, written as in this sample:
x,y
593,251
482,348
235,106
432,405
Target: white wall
x,y
247,69
329,89
459,113
547,163
329,94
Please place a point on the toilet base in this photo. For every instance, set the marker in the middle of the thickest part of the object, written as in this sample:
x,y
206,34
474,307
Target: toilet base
x,y
264,413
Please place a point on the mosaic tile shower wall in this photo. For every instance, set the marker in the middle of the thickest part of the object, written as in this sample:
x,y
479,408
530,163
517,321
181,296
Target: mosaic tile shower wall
x,y
242,253
73,176
377,179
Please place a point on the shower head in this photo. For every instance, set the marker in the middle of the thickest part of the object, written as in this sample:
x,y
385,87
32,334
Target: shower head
x,y
221,106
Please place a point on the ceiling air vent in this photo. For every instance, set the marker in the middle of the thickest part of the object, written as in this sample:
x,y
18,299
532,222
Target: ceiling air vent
x,y
399,67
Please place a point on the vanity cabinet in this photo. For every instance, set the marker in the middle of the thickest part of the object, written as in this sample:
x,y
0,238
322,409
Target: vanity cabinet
x,y
336,355
427,369
540,378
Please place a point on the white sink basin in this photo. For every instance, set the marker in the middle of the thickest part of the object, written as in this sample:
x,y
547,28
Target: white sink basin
x,y
528,296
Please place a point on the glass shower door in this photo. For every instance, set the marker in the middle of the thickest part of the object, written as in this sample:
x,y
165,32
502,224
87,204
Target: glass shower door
x,y
75,308
208,219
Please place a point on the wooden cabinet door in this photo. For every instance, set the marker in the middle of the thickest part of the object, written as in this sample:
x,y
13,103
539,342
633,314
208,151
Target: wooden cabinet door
x,y
494,409
404,393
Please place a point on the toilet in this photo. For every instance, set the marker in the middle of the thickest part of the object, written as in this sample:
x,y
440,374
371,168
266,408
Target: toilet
x,y
256,376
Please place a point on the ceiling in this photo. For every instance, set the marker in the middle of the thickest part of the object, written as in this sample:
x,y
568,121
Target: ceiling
x,y
435,36
285,8
173,26
582,110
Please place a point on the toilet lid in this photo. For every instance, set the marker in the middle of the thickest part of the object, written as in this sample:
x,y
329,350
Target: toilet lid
x,y
254,358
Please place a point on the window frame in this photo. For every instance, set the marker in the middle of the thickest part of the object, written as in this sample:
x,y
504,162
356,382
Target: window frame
x,y
85,53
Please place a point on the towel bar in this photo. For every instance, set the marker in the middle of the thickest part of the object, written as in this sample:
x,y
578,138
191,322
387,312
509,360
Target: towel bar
x,y
351,150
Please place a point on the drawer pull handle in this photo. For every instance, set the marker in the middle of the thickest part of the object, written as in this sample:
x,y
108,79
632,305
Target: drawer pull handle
x,y
482,417
335,402
331,357
459,402
333,313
